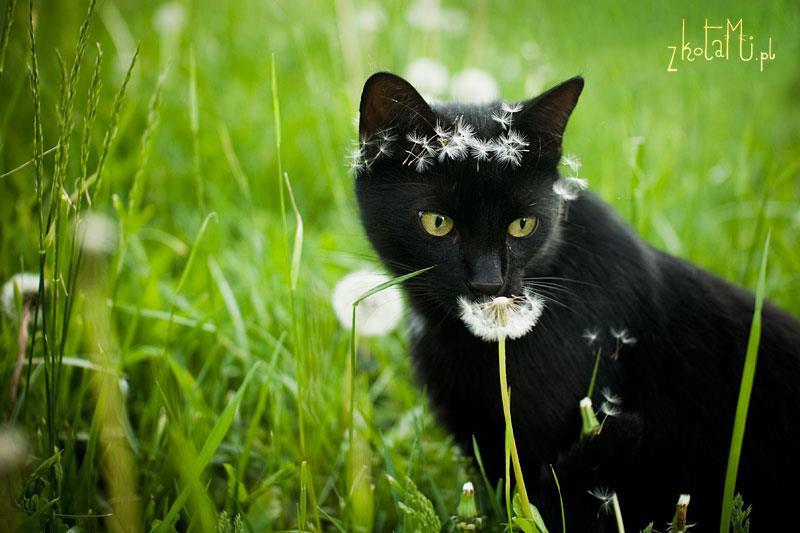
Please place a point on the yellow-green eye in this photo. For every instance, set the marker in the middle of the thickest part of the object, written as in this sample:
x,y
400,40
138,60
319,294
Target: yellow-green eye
x,y
435,224
522,227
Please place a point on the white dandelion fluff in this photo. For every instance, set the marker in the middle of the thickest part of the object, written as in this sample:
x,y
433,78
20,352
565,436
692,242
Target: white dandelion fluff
x,y
572,162
428,76
606,497
169,18
569,188
14,449
502,317
609,409
98,234
431,16
26,285
474,85
377,315
510,147
370,19
622,335
422,152
610,397
591,335
481,149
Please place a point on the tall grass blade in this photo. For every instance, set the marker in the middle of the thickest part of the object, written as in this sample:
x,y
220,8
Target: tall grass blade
x,y
745,389
212,442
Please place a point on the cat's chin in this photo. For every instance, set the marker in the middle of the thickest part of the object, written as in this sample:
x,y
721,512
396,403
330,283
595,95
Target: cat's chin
x,y
501,317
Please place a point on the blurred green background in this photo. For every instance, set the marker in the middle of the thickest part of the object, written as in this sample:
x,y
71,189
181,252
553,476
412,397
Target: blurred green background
x,y
702,162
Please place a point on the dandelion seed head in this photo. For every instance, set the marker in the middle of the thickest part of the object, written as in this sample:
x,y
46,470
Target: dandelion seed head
x,y
501,317
474,86
26,285
169,18
468,488
98,234
377,315
14,449
428,76
569,188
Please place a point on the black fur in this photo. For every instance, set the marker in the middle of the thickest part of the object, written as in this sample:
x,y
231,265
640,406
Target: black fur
x,y
679,381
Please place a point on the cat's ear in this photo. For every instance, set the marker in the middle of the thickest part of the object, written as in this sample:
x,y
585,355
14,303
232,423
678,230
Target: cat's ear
x,y
546,115
390,101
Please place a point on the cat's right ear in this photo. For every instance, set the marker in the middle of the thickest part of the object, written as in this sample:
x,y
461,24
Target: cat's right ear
x,y
389,101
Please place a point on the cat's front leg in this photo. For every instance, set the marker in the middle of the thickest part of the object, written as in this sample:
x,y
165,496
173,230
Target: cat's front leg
x,y
589,473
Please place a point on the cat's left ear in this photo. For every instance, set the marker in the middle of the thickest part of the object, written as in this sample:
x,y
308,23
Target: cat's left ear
x,y
546,115
390,101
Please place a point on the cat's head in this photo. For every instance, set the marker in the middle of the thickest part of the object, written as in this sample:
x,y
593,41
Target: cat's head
x,y
471,189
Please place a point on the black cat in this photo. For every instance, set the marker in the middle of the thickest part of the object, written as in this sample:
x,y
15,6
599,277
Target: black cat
x,y
475,191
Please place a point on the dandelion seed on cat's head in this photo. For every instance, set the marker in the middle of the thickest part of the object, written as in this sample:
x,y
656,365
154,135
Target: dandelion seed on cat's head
x,y
569,188
510,147
572,162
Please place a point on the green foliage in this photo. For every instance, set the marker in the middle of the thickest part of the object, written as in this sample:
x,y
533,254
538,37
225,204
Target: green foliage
x,y
740,516
417,510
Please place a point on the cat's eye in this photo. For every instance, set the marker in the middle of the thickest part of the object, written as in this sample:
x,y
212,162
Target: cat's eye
x,y
435,224
522,227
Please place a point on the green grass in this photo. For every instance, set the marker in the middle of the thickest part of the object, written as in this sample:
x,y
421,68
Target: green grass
x,y
214,308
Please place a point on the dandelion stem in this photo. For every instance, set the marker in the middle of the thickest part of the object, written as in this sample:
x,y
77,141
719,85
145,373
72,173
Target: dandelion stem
x,y
617,513
506,398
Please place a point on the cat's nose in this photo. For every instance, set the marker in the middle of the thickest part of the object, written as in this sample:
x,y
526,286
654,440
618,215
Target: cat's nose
x,y
487,288
486,275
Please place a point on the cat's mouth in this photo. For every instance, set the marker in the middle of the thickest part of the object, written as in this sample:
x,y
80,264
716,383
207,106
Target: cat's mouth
x,y
508,317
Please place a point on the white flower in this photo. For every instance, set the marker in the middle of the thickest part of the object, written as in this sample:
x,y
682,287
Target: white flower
x,y
474,85
572,162
370,19
569,188
509,147
170,18
501,317
468,488
98,233
26,285
377,315
428,76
